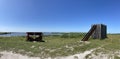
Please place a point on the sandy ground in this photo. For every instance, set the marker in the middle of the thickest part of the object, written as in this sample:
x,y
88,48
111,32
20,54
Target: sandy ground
x,y
76,56
11,55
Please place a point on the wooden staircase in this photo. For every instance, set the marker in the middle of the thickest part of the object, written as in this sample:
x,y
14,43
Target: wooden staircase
x,y
86,37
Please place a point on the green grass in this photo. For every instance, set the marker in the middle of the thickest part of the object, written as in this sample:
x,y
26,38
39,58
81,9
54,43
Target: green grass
x,y
53,46
116,57
57,45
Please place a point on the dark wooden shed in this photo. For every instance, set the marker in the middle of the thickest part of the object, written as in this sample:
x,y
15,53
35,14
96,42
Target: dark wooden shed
x,y
100,32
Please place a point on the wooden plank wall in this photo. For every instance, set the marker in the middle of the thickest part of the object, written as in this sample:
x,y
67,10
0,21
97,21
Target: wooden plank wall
x,y
100,32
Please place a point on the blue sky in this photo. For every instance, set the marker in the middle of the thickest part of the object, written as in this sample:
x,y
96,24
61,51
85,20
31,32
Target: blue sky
x,y
58,15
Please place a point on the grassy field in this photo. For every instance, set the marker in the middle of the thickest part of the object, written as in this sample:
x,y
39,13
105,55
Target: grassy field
x,y
59,45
